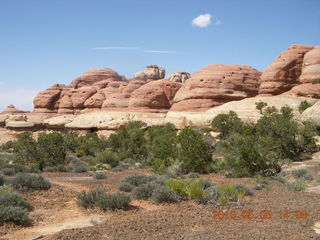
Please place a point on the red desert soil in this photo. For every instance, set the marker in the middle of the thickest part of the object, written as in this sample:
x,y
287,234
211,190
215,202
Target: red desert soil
x,y
55,210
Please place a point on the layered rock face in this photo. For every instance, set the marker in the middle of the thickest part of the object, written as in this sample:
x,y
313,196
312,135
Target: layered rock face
x,y
283,74
295,72
215,85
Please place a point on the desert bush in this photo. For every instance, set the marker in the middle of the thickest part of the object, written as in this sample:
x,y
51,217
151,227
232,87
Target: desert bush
x,y
194,152
192,188
107,157
164,194
28,182
193,175
80,168
114,201
18,168
16,215
2,180
144,191
260,106
137,179
243,188
6,189
8,171
298,185
303,174
12,199
230,193
304,105
79,153
125,186
99,176
89,199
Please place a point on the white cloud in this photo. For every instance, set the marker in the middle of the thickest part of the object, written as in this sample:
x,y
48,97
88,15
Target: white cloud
x,y
116,48
202,20
21,98
159,51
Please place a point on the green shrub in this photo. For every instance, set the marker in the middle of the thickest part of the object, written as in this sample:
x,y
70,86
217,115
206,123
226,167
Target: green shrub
x,y
303,174
47,150
164,194
192,188
298,185
243,188
161,146
304,105
137,179
211,193
91,143
108,157
130,140
28,182
17,168
260,106
2,180
194,152
227,123
144,191
125,186
6,189
89,199
16,215
193,175
99,176
8,171
262,148
229,193
50,169
114,201
14,200
80,168
79,153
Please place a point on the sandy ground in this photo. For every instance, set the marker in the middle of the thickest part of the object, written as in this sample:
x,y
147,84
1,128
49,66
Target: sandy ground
x,y
56,215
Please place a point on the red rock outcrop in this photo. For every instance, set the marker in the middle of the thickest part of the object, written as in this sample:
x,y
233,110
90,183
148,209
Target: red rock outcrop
x,y
311,67
45,101
154,95
179,76
215,85
283,74
12,109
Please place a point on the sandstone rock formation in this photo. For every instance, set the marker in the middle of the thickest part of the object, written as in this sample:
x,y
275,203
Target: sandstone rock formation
x,y
284,72
215,85
12,109
154,95
311,67
152,72
312,114
179,76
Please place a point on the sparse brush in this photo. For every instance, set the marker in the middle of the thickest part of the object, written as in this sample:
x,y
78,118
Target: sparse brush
x,y
6,189
12,199
298,185
244,188
8,171
114,201
89,199
16,215
28,182
125,187
80,168
144,191
137,179
164,194
2,180
231,193
303,174
100,176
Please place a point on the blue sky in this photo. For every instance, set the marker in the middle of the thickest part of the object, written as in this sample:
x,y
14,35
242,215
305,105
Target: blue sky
x,y
43,42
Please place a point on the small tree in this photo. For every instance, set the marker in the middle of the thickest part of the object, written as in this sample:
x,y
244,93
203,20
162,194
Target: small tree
x,y
194,152
304,105
260,105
